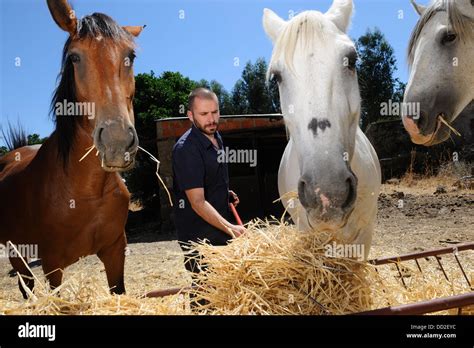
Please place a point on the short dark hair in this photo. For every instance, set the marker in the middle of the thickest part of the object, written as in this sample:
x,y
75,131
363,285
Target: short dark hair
x,y
201,92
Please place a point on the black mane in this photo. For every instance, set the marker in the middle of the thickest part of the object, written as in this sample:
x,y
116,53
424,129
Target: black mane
x,y
15,137
91,26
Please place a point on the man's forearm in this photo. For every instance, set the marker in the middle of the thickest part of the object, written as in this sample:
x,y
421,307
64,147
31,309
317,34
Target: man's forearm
x,y
206,211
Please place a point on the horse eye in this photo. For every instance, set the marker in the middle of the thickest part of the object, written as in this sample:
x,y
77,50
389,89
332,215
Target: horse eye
x,y
276,76
75,58
352,62
448,38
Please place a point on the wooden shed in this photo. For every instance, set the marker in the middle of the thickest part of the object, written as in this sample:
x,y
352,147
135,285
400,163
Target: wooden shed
x,y
256,185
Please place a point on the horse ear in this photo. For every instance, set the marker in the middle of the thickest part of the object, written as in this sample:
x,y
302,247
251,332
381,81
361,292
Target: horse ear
x,y
340,14
134,30
272,24
63,15
420,9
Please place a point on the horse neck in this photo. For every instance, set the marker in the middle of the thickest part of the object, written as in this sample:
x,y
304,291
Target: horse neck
x,y
85,178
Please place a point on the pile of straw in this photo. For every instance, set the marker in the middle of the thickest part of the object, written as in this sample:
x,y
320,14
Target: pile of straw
x,y
274,269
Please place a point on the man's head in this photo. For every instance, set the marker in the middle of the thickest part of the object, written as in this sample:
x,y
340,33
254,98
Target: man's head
x,y
203,110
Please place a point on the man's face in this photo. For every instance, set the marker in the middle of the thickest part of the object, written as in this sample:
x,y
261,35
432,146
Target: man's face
x,y
205,115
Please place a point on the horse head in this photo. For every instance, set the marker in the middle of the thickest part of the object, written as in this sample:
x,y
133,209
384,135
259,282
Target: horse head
x,y
441,52
314,63
97,85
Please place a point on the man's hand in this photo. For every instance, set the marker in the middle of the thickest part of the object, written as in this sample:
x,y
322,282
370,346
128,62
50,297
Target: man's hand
x,y
209,214
237,230
234,197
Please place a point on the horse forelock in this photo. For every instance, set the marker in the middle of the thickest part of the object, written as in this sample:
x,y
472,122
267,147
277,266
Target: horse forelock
x,y
101,25
94,26
304,29
461,24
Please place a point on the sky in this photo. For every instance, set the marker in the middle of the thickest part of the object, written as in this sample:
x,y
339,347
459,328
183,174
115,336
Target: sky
x,y
202,39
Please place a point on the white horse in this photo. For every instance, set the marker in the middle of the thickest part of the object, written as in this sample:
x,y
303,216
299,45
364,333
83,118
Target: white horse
x,y
328,159
441,55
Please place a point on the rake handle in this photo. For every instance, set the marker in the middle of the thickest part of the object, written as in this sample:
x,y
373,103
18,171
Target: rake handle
x,y
236,215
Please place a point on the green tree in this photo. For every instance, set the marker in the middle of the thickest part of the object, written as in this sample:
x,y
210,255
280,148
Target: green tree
x,y
399,91
376,67
34,139
240,104
252,94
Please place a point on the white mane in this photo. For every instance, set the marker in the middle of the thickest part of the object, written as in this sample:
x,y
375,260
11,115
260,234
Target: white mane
x,y
305,29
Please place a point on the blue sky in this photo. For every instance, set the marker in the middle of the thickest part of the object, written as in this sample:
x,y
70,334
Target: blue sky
x,y
202,45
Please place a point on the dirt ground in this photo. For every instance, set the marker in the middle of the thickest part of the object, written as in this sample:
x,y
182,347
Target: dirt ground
x,y
410,219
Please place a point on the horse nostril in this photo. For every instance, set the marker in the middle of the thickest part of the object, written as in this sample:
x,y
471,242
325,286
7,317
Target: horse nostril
x,y
351,193
133,140
99,135
302,191
301,187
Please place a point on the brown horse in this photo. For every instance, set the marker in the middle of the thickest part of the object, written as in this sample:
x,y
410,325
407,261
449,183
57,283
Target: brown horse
x,y
48,198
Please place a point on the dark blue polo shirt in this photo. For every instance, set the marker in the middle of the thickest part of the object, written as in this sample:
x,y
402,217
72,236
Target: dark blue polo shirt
x,y
195,165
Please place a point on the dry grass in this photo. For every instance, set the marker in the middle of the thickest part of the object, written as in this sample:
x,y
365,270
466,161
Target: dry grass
x,y
448,174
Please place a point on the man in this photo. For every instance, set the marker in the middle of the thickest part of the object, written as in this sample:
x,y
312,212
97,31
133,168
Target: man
x,y
200,181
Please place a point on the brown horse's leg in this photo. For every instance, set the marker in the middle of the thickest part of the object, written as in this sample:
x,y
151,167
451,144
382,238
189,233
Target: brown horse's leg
x,y
113,258
53,273
23,271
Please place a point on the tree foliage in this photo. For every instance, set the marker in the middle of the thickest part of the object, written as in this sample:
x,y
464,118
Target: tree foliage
x,y
376,67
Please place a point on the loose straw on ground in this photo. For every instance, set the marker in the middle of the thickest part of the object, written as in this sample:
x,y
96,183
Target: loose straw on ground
x,y
83,294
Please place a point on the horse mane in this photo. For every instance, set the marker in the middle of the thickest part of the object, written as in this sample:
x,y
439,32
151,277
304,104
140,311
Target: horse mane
x,y
15,137
304,29
92,26
460,23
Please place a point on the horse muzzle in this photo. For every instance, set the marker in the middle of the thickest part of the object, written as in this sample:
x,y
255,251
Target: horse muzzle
x,y
426,138
117,146
328,205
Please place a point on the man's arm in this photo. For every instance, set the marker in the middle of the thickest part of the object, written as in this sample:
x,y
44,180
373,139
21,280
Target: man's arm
x,y
206,211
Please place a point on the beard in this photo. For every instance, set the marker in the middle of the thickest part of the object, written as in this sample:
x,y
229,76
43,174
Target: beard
x,y
209,129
